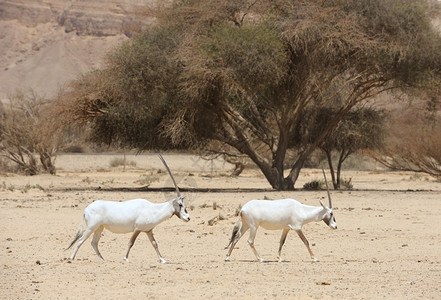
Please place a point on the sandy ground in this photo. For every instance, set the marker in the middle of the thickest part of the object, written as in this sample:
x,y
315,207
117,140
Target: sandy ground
x,y
387,245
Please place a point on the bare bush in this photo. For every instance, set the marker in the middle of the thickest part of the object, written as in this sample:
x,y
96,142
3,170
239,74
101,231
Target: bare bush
x,y
414,142
29,133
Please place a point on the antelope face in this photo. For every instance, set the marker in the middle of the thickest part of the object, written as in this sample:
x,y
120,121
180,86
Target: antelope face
x,y
328,217
180,209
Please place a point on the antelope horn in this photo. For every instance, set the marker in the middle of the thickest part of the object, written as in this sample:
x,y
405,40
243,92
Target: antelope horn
x,y
171,175
327,188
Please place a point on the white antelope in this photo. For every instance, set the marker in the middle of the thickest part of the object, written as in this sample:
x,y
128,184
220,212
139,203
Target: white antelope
x,y
135,216
282,214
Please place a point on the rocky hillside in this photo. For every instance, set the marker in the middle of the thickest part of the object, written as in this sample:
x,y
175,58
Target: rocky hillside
x,y
46,43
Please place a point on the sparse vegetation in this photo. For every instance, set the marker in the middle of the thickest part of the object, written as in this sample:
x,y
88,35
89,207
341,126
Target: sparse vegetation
x,y
313,185
117,162
30,135
347,183
26,188
87,180
414,139
148,179
213,221
415,176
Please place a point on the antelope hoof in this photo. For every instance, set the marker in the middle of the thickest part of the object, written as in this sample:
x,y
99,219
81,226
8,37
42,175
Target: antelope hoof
x,y
262,260
227,258
315,260
162,261
126,259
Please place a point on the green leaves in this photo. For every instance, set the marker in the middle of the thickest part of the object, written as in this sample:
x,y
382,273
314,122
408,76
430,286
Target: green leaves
x,y
255,53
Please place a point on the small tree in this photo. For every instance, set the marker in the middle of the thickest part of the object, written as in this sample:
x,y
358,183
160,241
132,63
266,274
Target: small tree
x,y
29,133
360,129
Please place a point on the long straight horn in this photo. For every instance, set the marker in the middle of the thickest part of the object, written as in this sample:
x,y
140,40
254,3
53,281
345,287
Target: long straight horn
x,y
171,175
327,188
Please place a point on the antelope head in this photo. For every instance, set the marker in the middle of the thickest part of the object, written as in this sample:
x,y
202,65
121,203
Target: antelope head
x,y
178,203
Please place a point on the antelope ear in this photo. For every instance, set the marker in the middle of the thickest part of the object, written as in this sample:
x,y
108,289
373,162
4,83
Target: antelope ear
x,y
321,203
180,198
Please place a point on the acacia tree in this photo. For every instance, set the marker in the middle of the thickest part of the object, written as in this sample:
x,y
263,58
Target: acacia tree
x,y
360,129
244,73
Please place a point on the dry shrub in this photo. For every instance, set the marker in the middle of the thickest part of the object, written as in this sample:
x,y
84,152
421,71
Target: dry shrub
x,y
414,142
30,134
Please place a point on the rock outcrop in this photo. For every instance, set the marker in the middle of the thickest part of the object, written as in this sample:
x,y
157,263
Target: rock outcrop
x,y
94,17
46,43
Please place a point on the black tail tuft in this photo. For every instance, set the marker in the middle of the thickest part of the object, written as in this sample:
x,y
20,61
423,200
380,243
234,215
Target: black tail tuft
x,y
76,238
234,233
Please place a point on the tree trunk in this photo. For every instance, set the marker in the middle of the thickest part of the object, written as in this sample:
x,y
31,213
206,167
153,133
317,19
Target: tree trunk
x,y
281,183
339,165
275,176
335,182
343,155
47,163
295,170
238,168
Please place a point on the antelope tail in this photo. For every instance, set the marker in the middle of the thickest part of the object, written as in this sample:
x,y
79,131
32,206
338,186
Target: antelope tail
x,y
234,233
79,233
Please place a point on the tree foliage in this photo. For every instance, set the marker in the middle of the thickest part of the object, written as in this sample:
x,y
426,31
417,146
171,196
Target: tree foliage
x,y
363,128
253,74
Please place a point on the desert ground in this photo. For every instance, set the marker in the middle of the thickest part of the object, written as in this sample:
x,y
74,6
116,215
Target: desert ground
x,y
387,245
